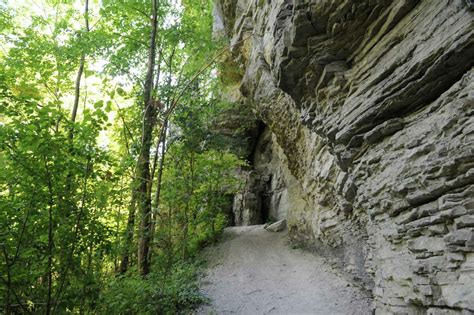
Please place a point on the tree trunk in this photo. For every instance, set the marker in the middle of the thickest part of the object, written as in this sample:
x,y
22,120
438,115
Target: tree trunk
x,y
8,282
162,141
158,185
128,235
143,165
49,271
80,71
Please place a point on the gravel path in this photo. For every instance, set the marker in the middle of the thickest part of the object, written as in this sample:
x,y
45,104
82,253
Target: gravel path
x,y
253,271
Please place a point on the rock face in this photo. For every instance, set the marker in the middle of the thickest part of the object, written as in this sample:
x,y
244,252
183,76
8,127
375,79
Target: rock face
x,y
368,150
266,195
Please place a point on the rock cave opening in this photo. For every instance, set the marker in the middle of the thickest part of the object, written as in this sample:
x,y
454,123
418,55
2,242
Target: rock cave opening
x,y
264,198
255,136
265,201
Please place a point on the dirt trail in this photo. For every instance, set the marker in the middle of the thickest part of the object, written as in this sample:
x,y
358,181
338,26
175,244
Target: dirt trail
x,y
253,271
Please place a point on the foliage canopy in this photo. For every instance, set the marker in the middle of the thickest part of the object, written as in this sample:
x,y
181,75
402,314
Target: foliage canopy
x,y
70,225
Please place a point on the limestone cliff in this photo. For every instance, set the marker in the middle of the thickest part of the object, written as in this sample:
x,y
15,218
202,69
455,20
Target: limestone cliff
x,y
368,140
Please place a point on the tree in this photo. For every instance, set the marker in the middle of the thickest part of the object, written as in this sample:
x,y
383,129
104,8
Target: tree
x,y
143,164
96,102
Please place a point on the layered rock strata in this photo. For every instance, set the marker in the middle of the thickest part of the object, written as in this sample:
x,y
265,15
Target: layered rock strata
x,y
369,108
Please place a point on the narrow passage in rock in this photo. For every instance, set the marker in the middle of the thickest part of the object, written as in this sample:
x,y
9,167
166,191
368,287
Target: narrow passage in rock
x,y
253,271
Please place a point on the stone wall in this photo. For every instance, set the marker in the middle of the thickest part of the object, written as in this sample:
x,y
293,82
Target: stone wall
x,y
369,107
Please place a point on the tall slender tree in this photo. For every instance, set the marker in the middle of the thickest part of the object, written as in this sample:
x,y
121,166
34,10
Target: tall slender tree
x,y
143,164
80,71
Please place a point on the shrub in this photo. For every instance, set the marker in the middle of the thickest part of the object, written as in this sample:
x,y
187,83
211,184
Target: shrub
x,y
172,292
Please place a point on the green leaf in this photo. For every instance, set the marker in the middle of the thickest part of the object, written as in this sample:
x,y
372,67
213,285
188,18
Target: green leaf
x,y
121,91
98,104
108,106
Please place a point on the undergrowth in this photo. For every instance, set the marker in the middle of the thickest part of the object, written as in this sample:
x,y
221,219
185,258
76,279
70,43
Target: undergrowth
x,y
165,292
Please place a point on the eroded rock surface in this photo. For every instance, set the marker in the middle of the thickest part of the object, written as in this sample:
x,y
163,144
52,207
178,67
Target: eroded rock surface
x,y
369,108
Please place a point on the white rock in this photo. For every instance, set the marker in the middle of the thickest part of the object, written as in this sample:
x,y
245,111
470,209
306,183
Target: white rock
x,y
277,226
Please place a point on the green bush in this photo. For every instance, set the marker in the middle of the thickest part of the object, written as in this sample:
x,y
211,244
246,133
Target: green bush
x,y
161,292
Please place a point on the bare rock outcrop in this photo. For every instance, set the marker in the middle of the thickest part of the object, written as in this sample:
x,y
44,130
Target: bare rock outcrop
x,y
369,107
